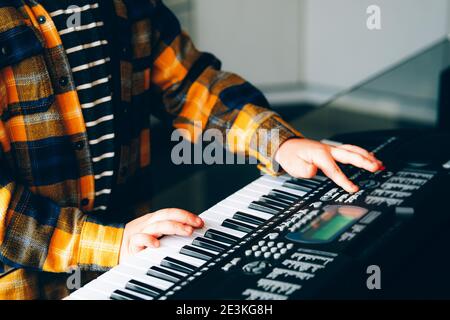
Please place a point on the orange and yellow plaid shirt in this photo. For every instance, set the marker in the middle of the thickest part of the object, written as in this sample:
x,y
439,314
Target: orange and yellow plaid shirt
x,y
47,186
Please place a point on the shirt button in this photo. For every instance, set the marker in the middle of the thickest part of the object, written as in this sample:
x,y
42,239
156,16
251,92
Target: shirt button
x,y
79,145
63,81
4,51
84,202
41,19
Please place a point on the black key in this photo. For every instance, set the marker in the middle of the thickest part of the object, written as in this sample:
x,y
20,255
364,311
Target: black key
x,y
264,207
221,236
239,226
143,288
313,183
296,186
273,203
244,217
197,253
320,178
284,195
209,244
307,183
279,200
122,295
177,265
164,274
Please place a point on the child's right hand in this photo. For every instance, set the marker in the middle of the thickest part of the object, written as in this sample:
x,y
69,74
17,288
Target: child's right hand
x,y
145,231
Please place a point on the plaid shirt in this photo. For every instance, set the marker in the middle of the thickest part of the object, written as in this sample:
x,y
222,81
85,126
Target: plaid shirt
x,y
46,177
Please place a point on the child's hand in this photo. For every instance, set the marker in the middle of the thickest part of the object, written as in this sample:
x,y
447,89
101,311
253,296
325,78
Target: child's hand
x,y
301,158
145,231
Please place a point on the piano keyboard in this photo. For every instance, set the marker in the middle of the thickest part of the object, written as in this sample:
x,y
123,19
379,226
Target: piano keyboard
x,y
154,271
278,237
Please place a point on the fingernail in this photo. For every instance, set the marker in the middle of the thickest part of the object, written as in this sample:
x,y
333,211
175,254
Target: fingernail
x,y
188,229
156,244
199,221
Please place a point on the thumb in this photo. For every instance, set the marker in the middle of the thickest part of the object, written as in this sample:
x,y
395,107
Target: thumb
x,y
141,241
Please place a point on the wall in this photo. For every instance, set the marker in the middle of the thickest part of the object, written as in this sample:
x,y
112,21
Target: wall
x,y
448,18
257,38
339,50
320,42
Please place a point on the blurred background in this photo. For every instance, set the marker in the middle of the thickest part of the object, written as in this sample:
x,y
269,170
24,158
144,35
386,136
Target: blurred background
x,y
320,67
302,53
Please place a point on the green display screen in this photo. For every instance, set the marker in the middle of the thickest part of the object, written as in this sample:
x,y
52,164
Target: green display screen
x,y
331,223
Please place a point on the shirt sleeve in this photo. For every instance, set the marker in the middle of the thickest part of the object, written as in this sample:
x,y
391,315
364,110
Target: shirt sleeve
x,y
198,96
36,233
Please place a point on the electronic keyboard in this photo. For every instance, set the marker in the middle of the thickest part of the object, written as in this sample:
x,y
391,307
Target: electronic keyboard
x,y
282,238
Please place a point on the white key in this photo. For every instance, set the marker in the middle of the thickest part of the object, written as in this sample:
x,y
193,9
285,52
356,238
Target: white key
x,y
110,285
237,202
88,294
175,243
229,203
273,180
141,264
171,252
250,194
229,211
132,274
257,188
273,183
215,216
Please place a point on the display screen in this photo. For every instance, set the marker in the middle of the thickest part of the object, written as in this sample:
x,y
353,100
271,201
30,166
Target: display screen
x,y
330,224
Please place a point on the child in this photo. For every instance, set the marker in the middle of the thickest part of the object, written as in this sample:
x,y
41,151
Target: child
x,y
77,87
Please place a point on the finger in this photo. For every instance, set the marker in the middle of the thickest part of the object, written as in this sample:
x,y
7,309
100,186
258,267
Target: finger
x,y
329,167
168,228
178,215
349,157
299,168
141,241
360,151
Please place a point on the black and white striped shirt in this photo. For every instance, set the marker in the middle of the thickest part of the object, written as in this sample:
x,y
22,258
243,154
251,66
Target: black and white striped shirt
x,y
86,46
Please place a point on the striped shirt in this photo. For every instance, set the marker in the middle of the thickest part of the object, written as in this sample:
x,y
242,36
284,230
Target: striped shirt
x,y
83,34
